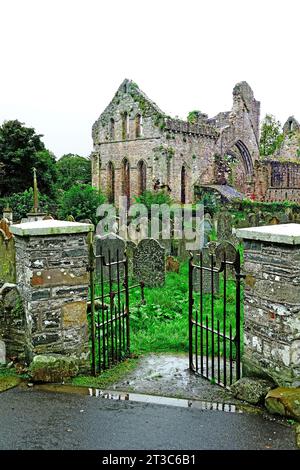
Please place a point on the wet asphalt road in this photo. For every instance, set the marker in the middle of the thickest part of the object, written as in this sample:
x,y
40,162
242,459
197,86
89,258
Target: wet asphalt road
x,y
32,419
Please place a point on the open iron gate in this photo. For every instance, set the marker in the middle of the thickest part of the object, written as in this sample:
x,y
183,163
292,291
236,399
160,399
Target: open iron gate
x,y
109,307
215,323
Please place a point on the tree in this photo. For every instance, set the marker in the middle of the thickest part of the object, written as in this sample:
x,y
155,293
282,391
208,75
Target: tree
x,y
72,169
81,201
270,135
21,149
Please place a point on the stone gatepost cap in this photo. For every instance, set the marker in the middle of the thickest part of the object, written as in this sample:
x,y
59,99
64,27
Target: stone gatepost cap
x,y
49,227
282,233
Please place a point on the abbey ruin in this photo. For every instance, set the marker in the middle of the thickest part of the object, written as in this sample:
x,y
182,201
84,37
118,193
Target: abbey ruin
x,y
137,147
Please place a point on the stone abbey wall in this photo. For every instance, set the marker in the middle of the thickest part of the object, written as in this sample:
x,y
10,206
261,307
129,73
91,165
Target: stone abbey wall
x,y
138,147
277,180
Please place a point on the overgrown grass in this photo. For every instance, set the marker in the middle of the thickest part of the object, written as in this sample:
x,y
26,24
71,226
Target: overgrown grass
x,y
107,378
161,324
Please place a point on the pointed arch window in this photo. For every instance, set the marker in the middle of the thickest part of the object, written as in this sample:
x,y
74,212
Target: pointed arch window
x,y
183,185
110,183
138,125
125,126
112,129
126,180
142,177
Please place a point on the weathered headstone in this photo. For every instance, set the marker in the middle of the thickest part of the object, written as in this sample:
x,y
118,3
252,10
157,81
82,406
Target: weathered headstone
x,y
167,244
2,353
224,226
112,248
253,219
149,262
206,275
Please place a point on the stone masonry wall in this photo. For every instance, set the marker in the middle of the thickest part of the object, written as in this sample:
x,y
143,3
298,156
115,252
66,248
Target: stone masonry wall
x,y
167,145
277,180
272,311
53,283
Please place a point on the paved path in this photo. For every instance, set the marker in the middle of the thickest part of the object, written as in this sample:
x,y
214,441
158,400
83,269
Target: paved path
x,y
169,375
33,419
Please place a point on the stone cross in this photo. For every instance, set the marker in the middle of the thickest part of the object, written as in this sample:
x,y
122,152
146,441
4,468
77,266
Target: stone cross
x,y
35,193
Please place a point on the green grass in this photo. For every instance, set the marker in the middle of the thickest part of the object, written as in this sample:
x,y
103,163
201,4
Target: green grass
x,y
108,377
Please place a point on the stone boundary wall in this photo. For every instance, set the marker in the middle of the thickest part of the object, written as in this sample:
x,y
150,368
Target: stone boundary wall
x,y
272,302
52,279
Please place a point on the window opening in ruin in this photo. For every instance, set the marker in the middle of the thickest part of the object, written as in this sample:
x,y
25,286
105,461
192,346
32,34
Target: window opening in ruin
x,y
125,126
112,128
138,126
110,183
142,175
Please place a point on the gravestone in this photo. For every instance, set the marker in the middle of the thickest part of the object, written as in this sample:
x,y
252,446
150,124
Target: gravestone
x,y
229,250
206,275
253,219
130,248
149,263
111,247
2,353
224,226
273,221
207,230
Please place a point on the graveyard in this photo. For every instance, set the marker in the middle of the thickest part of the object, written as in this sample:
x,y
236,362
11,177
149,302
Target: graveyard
x,y
114,284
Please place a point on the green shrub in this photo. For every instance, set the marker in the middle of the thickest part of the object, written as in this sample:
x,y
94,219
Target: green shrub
x,y
153,197
81,201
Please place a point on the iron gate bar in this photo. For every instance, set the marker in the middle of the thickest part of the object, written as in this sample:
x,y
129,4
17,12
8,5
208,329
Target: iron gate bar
x,y
211,332
109,322
224,324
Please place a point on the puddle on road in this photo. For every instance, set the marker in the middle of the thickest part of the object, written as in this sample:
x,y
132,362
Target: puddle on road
x,y
143,398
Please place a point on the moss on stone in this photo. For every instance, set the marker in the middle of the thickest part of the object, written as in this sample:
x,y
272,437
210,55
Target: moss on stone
x,y
8,382
284,401
53,368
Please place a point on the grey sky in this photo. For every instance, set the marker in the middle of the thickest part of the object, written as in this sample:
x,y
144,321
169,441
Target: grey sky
x,y
62,61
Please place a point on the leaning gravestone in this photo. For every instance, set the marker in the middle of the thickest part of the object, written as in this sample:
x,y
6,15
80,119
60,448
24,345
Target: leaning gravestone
x,y
112,248
149,263
206,275
2,353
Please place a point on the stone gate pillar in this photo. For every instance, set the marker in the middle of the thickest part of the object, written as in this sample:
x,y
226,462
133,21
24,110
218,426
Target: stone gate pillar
x,y
51,276
272,302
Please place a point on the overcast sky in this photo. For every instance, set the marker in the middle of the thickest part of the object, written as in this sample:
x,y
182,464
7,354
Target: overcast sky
x,y
62,61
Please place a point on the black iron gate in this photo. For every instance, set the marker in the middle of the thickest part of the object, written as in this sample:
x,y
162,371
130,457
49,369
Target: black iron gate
x,y
109,308
215,314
